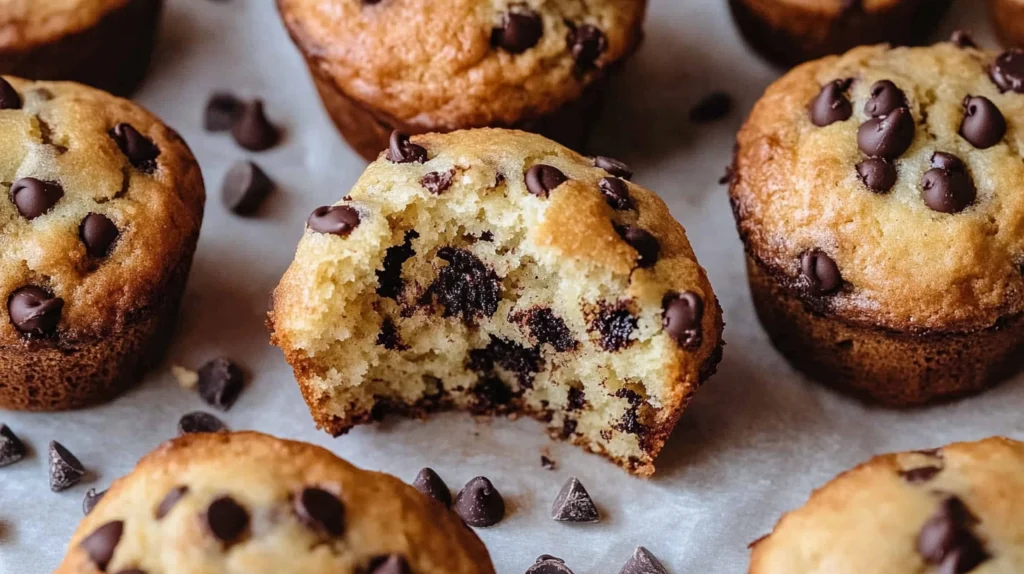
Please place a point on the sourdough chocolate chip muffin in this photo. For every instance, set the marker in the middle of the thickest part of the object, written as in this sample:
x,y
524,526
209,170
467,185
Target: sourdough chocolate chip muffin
x,y
498,272
878,197
952,510
103,43
1008,18
440,65
222,503
101,213
788,32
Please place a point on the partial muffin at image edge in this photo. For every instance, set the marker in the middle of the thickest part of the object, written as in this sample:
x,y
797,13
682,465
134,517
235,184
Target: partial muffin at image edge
x,y
954,509
106,44
498,272
1008,20
228,502
536,66
101,213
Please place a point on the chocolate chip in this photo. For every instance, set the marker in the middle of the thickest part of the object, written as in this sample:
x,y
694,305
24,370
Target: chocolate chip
x,y
140,150
878,174
821,272
948,161
524,362
586,44
681,318
389,278
320,510
888,136
437,182
520,30
885,97
542,179
465,287
220,383
92,498
244,188
712,107
337,220
199,422
642,562
948,187
920,474
1008,71
547,564
98,233
390,564
491,394
962,39
613,167
615,324
479,503
831,104
11,448
546,327
616,193
170,500
401,150
389,338
9,98
573,504
568,427
252,130
547,463
100,545
34,197
644,243
946,539
429,483
65,470
222,110
575,399
227,520
983,125
34,311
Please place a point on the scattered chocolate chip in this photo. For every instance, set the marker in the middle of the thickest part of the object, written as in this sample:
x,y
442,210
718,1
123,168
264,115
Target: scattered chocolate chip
x,y
170,500
920,474
613,167
878,174
831,104
11,448
198,422
437,182
948,187
390,283
491,394
34,311
320,510
524,362
34,197
429,483
630,422
220,383
542,179
401,150
712,107
681,318
885,97
728,177
644,243
98,233
389,338
946,539
252,130
888,136
821,272
547,463
573,504
479,503
337,220
616,193
222,110
586,44
962,39
983,124
642,562
520,30
227,520
92,498
547,564
948,161
1008,71
615,324
100,545
568,427
546,327
244,188
391,564
140,150
465,287
9,98
575,399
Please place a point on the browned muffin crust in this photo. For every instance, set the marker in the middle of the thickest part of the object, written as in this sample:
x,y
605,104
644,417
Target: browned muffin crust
x,y
1008,19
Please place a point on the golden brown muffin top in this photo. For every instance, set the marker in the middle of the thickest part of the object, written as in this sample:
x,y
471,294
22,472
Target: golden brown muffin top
x,y
954,509
27,23
939,242
450,64
109,200
220,503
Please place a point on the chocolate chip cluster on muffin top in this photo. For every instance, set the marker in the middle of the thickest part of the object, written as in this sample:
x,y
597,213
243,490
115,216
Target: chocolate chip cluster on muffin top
x,y
220,503
498,272
102,213
877,195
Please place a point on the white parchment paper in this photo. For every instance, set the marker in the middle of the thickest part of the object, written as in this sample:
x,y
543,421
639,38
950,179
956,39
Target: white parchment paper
x,y
753,444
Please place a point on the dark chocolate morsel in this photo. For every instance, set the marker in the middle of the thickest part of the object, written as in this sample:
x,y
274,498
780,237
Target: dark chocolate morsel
x,y
244,188
35,197
616,193
337,220
222,111
252,130
888,136
586,44
962,39
821,272
920,474
227,520
98,233
947,540
92,498
428,482
140,150
519,31
573,504
169,501
101,544
9,98
401,150
320,510
878,174
542,179
11,448
885,97
438,182
479,503
983,124
645,244
613,167
681,318
831,104
948,187
642,562
220,383
547,564
1008,71
34,311
198,421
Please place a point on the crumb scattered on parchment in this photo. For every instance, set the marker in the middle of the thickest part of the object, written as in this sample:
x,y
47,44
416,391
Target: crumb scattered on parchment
x,y
187,378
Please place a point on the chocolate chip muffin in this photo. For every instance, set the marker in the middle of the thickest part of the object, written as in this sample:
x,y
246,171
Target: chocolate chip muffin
x,y
221,503
103,43
1008,18
498,272
788,32
951,510
101,215
878,197
440,65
